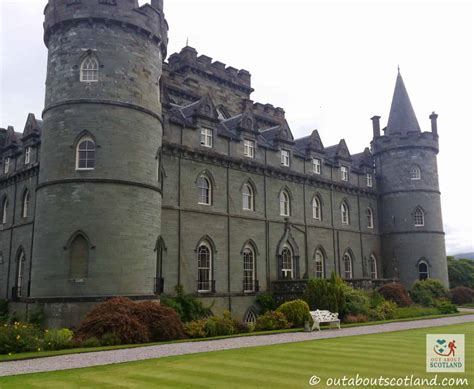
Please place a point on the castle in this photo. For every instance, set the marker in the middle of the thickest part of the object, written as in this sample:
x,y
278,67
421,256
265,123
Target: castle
x,y
144,174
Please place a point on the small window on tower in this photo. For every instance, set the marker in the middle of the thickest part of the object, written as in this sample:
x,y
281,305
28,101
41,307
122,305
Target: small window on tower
x,y
90,69
85,154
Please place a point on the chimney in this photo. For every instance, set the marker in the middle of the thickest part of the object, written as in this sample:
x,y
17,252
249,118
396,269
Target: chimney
x,y
376,125
434,124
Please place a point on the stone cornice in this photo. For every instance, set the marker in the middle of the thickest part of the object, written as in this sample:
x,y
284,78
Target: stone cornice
x,y
19,175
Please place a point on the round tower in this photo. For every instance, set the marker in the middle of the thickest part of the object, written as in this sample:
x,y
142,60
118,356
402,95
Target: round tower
x,y
410,207
98,211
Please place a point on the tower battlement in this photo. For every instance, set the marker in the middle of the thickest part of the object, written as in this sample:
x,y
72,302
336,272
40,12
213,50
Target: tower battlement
x,y
148,19
411,139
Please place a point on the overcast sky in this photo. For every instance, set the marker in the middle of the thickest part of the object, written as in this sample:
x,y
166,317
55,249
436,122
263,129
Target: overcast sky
x,y
330,65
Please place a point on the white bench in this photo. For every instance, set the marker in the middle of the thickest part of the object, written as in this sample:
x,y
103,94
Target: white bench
x,y
324,317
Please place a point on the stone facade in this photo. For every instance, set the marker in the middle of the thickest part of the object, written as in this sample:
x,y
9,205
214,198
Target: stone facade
x,y
138,221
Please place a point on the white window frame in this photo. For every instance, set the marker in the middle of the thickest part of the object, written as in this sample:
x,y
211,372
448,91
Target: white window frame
x,y
347,259
316,166
373,267
285,157
370,218
27,155
247,196
91,73
344,173
287,271
6,165
369,179
319,264
345,217
204,269
249,269
250,318
316,205
427,270
206,137
203,188
5,211
415,173
88,160
419,217
249,148
20,273
285,204
25,204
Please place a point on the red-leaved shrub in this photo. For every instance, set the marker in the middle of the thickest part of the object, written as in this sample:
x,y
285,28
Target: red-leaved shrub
x,y
462,295
397,293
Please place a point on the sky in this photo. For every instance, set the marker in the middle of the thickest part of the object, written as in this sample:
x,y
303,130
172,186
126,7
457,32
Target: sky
x,y
331,65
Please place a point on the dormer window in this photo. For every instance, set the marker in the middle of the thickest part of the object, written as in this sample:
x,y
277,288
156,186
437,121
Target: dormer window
x,y
6,165
369,180
344,173
316,166
206,137
27,155
249,148
285,157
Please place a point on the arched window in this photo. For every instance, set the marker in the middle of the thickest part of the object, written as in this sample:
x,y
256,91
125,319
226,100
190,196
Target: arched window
x,y
247,198
204,254
419,217
316,208
20,269
347,260
78,258
284,203
344,213
287,264
373,267
250,317
249,269
85,154
370,218
25,204
204,190
415,173
423,271
5,211
90,69
319,260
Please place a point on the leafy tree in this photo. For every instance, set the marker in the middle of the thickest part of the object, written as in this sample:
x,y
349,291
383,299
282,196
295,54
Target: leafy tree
x,y
461,272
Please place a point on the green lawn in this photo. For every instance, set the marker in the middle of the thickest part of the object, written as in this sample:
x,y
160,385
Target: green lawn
x,y
394,354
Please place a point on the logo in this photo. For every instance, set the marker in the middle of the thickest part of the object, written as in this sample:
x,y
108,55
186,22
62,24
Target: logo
x,y
445,353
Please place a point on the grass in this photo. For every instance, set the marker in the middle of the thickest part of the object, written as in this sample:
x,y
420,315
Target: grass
x,y
44,354
394,354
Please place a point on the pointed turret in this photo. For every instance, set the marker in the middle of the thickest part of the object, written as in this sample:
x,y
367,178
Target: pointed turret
x,y
402,117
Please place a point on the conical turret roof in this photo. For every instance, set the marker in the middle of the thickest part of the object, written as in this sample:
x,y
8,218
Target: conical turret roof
x,y
402,117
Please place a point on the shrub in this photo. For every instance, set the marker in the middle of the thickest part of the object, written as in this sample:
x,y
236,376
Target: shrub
x,y
114,316
36,316
462,295
397,293
375,298
414,311
357,301
163,322
188,307
109,339
19,337
58,339
220,325
427,291
296,312
91,342
195,329
445,307
325,294
461,272
359,318
272,320
3,311
266,302
384,311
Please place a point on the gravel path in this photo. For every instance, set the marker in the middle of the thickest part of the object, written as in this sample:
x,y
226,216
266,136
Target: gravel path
x,y
74,361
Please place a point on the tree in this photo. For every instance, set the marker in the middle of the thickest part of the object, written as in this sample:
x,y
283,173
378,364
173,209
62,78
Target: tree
x,y
461,272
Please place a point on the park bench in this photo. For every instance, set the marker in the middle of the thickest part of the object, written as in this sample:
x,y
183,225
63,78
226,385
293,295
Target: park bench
x,y
324,317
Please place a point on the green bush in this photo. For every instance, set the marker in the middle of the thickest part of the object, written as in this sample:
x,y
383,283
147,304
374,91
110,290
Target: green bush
x,y
36,316
188,307
195,328
461,272
357,301
375,298
397,293
266,302
426,292
414,311
3,311
19,337
384,311
109,339
58,339
272,320
445,307
220,325
325,294
296,312
359,318
91,342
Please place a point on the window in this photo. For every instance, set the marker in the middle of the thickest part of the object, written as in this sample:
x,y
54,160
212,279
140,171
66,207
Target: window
x,y
284,204
419,217
90,69
247,198
249,148
344,213
85,158
423,271
286,264
344,173
6,165
204,268
415,173
249,270
27,155
78,258
319,260
20,273
285,157
347,259
316,166
25,204
369,180
370,218
373,267
204,190
316,208
250,317
206,137
4,211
